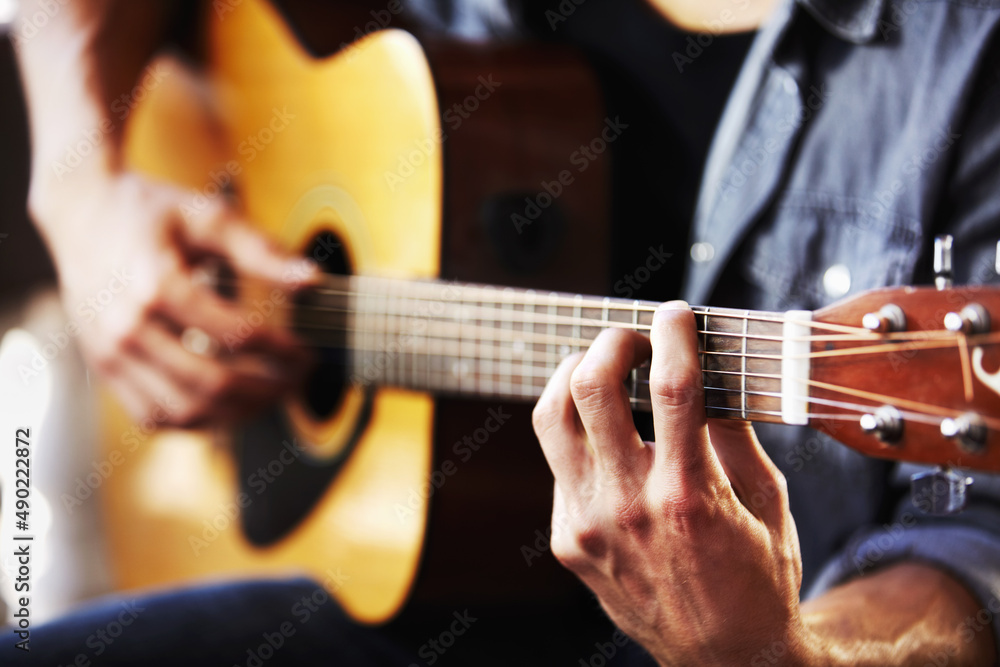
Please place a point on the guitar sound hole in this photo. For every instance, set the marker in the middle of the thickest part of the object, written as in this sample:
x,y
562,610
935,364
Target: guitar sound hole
x,y
324,389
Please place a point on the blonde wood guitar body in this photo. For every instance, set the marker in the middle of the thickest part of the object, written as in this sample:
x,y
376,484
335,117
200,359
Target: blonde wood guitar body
x,y
352,145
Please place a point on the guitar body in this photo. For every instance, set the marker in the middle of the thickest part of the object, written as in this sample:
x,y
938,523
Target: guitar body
x,y
364,157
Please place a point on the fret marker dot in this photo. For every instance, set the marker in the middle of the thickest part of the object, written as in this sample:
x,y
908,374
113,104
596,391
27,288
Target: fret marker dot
x,y
460,369
564,350
518,346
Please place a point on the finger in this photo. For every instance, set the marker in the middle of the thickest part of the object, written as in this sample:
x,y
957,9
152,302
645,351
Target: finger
x,y
602,401
758,483
187,304
251,254
684,457
218,382
141,385
559,431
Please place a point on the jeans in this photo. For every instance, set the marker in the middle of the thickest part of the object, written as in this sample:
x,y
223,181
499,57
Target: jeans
x,y
257,623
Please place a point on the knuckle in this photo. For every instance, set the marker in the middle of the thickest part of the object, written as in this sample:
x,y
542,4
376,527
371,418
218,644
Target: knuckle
x,y
188,415
547,417
543,417
676,389
568,552
590,386
690,512
123,334
632,516
591,541
216,383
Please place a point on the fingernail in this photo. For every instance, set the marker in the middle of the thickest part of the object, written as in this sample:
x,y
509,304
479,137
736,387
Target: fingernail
x,y
675,305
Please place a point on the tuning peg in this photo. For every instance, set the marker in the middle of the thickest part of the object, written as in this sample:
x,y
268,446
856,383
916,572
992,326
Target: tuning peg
x,y
888,319
968,429
971,320
996,261
939,492
886,424
942,261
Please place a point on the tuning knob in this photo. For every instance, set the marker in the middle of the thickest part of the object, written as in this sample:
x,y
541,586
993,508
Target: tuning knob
x,y
939,492
971,320
886,424
889,318
968,429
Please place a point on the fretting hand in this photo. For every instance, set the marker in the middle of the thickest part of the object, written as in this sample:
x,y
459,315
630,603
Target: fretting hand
x,y
666,533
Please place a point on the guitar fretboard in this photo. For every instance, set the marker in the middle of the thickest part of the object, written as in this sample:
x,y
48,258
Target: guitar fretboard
x,y
505,342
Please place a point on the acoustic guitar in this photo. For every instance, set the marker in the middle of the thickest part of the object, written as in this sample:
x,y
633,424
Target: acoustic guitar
x,y
392,166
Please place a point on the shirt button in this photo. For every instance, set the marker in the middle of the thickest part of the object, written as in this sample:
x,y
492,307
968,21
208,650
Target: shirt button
x,y
837,281
702,251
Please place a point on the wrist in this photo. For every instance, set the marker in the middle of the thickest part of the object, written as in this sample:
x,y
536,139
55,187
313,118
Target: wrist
x,y
64,210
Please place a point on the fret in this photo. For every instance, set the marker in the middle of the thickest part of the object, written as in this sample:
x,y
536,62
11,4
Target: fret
x,y
507,328
484,374
530,295
413,341
576,347
743,379
461,369
742,364
552,330
635,327
392,347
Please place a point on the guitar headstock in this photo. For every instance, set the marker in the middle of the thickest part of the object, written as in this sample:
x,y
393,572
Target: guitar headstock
x,y
911,374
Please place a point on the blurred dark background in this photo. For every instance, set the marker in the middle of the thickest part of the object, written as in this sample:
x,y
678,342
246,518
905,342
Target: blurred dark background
x,y
24,263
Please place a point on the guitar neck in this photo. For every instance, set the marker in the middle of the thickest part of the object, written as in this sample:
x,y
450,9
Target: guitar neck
x,y
505,343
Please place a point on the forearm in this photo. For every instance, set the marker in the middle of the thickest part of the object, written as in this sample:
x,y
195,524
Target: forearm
x,y
907,614
75,69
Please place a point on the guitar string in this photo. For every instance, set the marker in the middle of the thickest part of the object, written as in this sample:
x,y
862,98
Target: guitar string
x,y
558,299
447,380
543,318
476,332
547,299
546,367
526,317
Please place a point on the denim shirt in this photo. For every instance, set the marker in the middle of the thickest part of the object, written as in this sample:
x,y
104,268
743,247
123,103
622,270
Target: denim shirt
x,y
856,132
